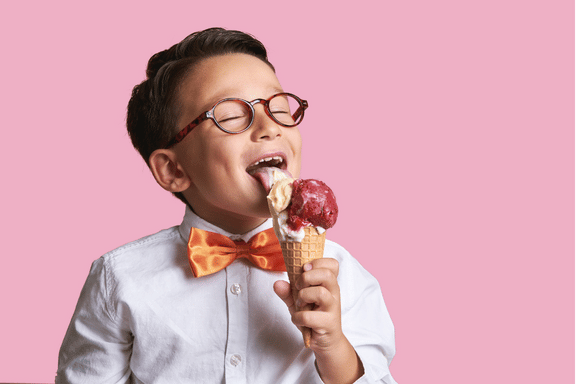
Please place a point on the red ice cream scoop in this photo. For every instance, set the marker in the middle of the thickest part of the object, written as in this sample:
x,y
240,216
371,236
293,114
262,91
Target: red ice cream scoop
x,y
312,203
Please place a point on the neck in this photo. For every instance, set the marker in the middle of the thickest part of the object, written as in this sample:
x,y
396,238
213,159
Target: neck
x,y
231,223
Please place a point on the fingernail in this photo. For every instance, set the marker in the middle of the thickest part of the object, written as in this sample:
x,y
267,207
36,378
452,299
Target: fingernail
x,y
307,267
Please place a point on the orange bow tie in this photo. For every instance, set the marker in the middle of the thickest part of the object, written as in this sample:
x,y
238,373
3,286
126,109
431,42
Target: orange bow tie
x,y
210,252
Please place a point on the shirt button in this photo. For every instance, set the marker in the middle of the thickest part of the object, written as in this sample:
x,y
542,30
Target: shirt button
x,y
236,289
235,360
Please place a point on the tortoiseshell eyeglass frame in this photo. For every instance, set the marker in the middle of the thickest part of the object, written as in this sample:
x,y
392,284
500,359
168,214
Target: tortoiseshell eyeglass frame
x,y
298,116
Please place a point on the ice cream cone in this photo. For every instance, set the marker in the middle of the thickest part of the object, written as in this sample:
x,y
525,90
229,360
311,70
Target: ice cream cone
x,y
296,255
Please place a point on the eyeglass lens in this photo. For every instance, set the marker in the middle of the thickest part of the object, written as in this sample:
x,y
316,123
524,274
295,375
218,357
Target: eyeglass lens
x,y
235,115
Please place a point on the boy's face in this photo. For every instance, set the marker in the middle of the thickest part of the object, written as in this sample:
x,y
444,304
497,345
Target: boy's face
x,y
221,191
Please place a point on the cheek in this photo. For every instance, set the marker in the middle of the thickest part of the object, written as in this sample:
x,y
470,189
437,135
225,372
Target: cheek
x,y
296,145
217,161
298,140
199,162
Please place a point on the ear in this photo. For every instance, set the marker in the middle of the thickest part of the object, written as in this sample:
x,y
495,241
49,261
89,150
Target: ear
x,y
167,171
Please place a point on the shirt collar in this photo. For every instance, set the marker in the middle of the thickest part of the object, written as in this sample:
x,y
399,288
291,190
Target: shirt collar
x,y
193,220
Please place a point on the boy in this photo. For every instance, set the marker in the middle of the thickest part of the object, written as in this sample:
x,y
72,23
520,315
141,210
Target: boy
x,y
145,317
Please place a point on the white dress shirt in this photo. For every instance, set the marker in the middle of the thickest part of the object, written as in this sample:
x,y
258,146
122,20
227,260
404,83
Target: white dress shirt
x,y
142,317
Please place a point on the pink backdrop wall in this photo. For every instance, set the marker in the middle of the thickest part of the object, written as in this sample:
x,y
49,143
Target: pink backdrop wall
x,y
445,128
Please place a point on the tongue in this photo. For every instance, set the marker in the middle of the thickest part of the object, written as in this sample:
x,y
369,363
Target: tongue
x,y
267,176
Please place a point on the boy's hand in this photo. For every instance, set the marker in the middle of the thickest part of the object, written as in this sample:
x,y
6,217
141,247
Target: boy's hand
x,y
318,285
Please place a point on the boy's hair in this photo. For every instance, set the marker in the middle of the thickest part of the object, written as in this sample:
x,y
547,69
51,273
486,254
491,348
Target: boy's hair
x,y
154,107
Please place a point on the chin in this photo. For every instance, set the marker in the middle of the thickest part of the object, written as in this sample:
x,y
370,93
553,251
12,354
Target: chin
x,y
262,210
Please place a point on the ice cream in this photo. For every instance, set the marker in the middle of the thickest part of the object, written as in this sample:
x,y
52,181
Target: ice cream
x,y
313,204
268,176
302,211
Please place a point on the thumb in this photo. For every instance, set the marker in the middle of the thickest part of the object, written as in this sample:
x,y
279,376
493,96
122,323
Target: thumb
x,y
282,289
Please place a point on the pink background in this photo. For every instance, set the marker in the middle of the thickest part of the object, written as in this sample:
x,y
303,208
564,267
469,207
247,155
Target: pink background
x,y
445,128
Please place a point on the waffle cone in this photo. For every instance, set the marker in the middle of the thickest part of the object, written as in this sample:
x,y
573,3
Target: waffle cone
x,y
296,255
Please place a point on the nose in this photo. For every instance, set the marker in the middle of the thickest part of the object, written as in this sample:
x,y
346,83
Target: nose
x,y
264,128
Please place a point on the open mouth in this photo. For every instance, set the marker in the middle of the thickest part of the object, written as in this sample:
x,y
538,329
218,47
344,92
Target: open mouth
x,y
266,169
267,162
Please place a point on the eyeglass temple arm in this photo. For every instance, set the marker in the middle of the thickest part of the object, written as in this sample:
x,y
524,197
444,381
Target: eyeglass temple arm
x,y
300,110
186,130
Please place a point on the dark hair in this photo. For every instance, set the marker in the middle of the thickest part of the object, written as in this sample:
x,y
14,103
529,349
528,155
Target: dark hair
x,y
154,108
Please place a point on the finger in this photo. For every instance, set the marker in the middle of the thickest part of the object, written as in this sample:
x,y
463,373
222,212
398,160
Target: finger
x,y
323,277
319,276
282,289
328,263
321,297
319,322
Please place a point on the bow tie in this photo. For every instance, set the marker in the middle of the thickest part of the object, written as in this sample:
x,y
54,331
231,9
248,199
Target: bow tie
x,y
210,252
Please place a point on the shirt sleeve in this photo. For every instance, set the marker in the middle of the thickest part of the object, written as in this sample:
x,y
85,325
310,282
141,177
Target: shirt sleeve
x,y
98,343
365,320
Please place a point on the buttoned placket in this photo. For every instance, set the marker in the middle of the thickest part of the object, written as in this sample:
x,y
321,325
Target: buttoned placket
x,y
237,306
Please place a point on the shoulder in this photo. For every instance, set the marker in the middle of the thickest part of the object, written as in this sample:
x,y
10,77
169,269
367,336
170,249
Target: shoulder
x,y
164,238
354,280
348,264
142,258
132,271
158,243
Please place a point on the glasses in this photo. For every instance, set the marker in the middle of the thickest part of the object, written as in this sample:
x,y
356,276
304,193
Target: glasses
x,y
234,115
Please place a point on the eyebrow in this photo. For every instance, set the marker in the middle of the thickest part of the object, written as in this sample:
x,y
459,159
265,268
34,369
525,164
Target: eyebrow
x,y
228,94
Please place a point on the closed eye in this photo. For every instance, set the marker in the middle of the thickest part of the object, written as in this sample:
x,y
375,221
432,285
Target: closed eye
x,y
280,112
231,118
